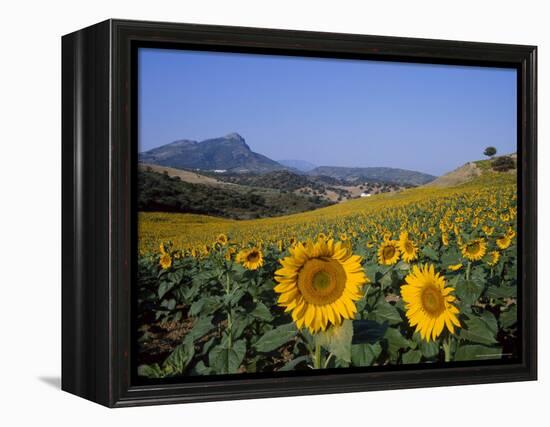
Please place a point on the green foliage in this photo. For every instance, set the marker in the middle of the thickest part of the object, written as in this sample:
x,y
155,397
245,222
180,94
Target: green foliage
x,y
503,164
490,151
162,193
275,338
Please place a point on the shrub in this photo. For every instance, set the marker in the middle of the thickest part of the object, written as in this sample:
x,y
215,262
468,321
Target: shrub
x,y
503,164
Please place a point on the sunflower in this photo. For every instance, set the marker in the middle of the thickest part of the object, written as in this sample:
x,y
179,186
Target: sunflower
x,y
407,247
454,267
445,239
388,253
165,261
229,253
504,242
494,257
474,249
222,239
488,230
319,283
251,259
428,302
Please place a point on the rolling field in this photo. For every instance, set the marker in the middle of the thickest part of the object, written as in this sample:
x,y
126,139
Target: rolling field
x,y
423,275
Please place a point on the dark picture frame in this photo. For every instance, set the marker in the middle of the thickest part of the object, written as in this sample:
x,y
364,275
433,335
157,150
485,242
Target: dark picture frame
x,y
99,222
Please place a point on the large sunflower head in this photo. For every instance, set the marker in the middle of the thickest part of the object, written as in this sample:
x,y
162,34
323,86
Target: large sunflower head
x,y
388,253
319,283
251,259
407,247
428,302
474,249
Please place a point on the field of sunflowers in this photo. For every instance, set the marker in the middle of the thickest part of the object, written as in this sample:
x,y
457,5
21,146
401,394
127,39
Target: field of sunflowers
x,y
420,276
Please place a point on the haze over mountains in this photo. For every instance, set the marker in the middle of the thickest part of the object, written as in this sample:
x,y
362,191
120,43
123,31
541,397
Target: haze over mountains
x,y
232,154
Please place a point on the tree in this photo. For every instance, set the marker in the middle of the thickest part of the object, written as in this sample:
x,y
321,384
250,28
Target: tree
x,y
490,151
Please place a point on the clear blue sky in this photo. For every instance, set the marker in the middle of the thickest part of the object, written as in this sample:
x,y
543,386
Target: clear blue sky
x,y
429,118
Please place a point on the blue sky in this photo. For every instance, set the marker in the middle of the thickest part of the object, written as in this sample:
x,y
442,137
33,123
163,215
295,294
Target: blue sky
x,y
429,118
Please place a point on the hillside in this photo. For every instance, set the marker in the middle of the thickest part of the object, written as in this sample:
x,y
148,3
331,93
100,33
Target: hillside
x,y
321,187
383,174
163,193
228,153
471,170
185,175
300,165
204,229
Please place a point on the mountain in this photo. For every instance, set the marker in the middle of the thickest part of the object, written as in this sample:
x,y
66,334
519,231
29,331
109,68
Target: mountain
x,y
300,165
393,175
228,153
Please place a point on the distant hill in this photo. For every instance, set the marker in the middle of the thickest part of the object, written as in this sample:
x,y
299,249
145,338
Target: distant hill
x,y
228,153
161,192
300,165
470,171
380,174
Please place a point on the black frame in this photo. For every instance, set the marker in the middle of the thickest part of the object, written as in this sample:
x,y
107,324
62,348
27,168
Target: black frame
x,y
98,224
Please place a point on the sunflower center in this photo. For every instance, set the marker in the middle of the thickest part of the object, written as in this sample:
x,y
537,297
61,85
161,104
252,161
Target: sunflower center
x,y
473,248
322,281
408,246
432,300
253,256
389,252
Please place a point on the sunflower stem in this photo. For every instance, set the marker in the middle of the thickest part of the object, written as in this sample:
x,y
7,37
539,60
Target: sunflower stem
x,y
229,315
468,268
328,360
317,357
447,349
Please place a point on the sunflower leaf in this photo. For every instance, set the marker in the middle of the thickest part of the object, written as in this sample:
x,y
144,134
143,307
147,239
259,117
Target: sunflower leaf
x,y
365,354
429,349
477,352
501,292
368,331
468,291
291,365
430,253
179,359
396,341
262,312
412,356
164,288
451,257
275,338
509,318
385,312
479,330
226,360
150,371
200,328
337,340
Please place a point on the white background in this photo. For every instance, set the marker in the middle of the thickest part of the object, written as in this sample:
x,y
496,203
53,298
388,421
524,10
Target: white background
x,y
30,277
